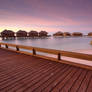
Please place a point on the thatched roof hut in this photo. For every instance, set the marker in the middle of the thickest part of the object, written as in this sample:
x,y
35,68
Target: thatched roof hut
x,y
43,34
91,42
7,33
67,34
58,34
90,34
77,34
33,34
21,33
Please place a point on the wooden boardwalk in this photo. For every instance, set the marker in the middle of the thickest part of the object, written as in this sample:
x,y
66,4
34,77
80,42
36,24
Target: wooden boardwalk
x,y
24,73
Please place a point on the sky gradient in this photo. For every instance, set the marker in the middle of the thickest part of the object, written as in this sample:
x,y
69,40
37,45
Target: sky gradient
x,y
49,15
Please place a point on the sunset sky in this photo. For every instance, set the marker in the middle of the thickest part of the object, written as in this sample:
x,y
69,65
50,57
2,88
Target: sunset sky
x,y
49,15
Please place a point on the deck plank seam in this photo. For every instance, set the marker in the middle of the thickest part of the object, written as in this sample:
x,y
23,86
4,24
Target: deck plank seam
x,y
64,77
34,65
82,80
41,76
75,81
68,80
70,68
55,78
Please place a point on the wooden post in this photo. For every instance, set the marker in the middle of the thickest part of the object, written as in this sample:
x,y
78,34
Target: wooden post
x,y
34,51
59,56
17,48
6,46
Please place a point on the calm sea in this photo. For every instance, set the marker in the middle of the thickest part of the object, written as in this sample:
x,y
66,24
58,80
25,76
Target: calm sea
x,y
59,43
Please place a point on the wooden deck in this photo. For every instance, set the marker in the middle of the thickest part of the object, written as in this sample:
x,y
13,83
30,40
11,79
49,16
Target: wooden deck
x,y
24,73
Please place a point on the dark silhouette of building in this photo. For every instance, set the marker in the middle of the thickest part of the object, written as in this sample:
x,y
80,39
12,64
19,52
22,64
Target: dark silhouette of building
x,y
33,34
59,33
21,33
77,34
7,34
90,34
43,34
67,34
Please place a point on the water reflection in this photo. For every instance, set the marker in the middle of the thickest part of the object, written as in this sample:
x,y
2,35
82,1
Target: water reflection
x,y
68,44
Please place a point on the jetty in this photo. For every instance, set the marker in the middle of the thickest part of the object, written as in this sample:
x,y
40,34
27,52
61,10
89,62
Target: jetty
x,y
23,71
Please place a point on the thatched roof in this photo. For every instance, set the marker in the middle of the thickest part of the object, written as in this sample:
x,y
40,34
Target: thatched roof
x,y
67,34
7,33
90,34
43,33
59,33
21,33
33,33
77,34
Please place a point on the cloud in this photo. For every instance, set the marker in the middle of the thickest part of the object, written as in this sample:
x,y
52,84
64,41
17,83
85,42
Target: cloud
x,y
50,15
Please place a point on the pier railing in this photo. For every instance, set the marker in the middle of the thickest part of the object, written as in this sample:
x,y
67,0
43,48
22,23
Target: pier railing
x,y
59,53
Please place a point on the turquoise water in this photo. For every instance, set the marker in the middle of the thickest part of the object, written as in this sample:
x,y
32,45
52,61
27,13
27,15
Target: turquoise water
x,y
60,43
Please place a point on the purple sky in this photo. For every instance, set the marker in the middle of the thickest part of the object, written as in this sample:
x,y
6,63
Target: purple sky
x,y
49,15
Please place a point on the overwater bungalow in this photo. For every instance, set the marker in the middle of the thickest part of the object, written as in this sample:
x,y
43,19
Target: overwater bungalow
x,y
33,34
7,34
66,34
58,34
21,33
77,34
90,34
43,34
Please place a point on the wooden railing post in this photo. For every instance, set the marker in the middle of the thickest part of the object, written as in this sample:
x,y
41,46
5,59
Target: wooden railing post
x,y
6,46
17,48
59,56
34,51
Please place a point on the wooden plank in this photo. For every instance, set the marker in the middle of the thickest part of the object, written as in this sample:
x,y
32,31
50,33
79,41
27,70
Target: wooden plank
x,y
54,59
77,55
76,64
71,81
89,89
56,52
33,78
26,73
52,76
57,81
64,81
21,68
85,82
78,82
17,78
51,80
